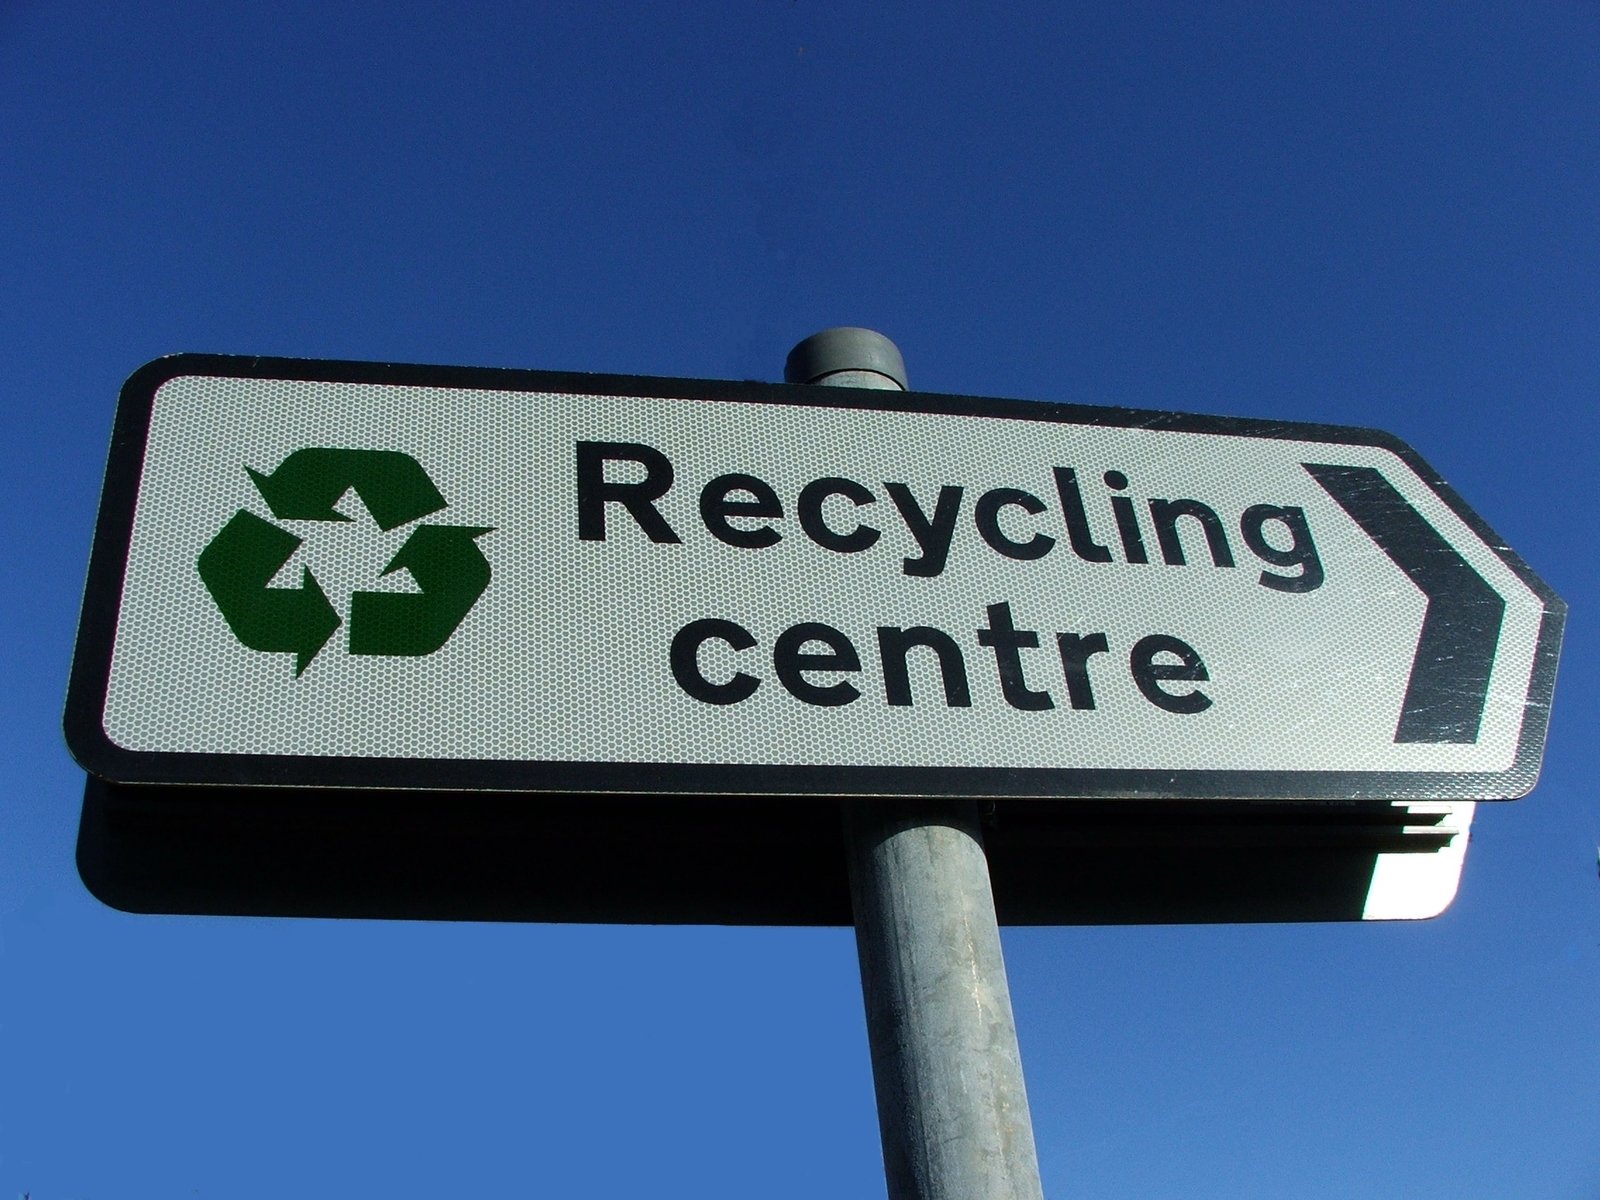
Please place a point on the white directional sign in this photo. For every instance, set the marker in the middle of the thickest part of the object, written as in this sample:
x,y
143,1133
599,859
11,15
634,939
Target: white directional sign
x,y
357,575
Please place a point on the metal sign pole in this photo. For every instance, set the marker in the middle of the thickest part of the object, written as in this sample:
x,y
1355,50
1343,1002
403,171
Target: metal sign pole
x,y
952,1105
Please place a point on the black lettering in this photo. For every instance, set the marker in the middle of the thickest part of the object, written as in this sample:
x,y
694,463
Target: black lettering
x,y
1165,514
1149,674
595,491
1127,519
1006,640
1078,531
791,660
717,505
812,497
1075,651
892,647
932,536
987,516
685,659
1302,553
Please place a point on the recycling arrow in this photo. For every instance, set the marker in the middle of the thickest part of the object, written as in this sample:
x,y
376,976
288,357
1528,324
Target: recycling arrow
x,y
236,567
308,483
239,563
451,571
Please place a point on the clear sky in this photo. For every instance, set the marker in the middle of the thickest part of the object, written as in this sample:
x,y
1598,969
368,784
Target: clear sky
x,y
1370,214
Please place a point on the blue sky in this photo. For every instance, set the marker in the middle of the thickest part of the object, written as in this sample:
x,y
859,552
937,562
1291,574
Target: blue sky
x,y
1378,215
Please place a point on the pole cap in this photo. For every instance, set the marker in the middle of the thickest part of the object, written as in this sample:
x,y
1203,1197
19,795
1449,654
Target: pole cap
x,y
845,349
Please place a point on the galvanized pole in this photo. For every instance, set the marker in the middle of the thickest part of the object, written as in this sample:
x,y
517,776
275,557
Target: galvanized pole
x,y
952,1106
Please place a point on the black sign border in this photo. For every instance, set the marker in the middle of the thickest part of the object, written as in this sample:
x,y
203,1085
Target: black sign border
x,y
91,669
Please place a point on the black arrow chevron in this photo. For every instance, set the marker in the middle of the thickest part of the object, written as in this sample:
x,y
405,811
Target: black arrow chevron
x,y
1461,628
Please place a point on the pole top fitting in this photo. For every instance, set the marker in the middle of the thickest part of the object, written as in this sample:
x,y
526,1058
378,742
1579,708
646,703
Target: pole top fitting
x,y
845,349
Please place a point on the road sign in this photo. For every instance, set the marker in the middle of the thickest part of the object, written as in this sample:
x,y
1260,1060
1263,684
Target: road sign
x,y
360,575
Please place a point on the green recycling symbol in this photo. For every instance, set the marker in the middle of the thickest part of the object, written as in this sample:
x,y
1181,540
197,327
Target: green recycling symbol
x,y
444,560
